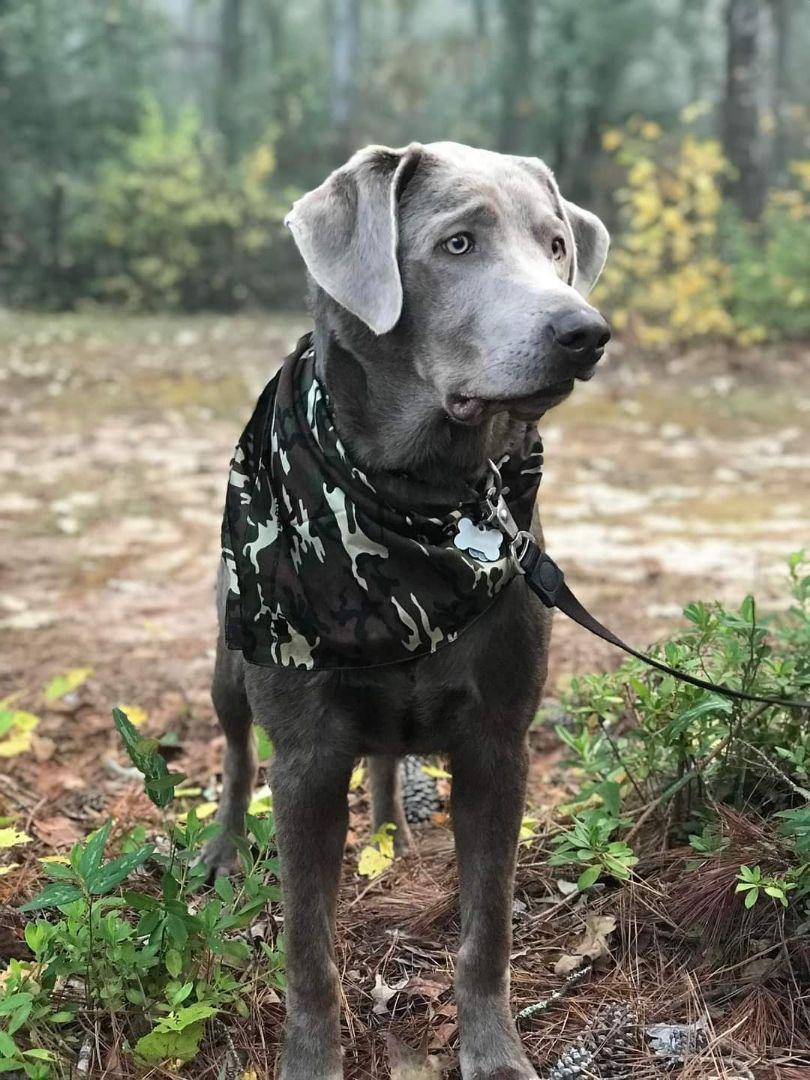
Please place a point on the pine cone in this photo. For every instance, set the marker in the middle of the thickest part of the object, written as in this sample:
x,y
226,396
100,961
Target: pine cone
x,y
420,798
604,1049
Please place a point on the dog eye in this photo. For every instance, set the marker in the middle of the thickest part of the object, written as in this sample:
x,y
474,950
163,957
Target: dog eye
x,y
558,247
460,244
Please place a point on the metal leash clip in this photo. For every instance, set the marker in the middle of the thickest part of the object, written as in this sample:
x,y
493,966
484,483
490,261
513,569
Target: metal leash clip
x,y
499,515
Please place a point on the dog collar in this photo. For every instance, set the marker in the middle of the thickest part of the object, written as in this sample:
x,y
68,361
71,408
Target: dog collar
x,y
333,567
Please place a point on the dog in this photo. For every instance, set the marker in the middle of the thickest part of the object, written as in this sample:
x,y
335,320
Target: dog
x,y
448,290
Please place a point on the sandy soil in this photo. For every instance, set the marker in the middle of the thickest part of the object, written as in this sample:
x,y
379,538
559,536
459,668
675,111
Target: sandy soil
x,y
666,480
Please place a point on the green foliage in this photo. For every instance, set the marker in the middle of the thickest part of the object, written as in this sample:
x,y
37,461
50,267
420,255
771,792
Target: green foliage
x,y
684,265
752,882
143,752
640,737
165,955
589,844
177,228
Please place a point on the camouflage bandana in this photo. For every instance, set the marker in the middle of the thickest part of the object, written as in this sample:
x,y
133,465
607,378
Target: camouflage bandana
x,y
331,567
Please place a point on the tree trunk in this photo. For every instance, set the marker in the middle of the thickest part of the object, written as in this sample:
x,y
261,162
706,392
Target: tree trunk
x,y
783,11
516,71
566,31
746,88
231,63
346,29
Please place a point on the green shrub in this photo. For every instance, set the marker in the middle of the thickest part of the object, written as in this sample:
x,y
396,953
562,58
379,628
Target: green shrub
x,y
640,739
770,266
164,957
173,227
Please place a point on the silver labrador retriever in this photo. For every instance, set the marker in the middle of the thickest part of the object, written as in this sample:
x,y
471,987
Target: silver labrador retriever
x,y
448,294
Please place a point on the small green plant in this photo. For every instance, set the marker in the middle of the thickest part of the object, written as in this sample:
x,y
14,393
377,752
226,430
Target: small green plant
x,y
708,842
589,845
752,882
166,955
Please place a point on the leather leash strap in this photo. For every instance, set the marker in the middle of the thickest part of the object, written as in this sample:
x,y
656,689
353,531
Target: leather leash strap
x,y
547,580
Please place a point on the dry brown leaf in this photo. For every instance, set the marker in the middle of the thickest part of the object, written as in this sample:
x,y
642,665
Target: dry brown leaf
x,y
410,1064
58,832
429,986
593,945
43,747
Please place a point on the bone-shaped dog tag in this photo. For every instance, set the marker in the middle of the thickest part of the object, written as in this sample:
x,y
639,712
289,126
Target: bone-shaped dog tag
x,y
481,541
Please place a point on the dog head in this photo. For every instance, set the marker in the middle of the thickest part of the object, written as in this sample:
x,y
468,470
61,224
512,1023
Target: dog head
x,y
471,259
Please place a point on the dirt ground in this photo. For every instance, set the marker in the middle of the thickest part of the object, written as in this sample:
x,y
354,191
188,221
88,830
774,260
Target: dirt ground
x,y
666,480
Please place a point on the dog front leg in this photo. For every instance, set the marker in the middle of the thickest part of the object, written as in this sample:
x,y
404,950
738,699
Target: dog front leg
x,y
489,789
310,804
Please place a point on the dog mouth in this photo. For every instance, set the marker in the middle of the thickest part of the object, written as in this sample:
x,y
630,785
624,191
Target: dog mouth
x,y
472,410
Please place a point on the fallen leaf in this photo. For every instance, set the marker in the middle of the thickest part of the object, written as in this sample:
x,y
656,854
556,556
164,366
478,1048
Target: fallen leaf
x,y
441,1035
16,732
136,714
261,802
43,747
410,1064
64,684
202,810
58,831
11,837
381,995
8,868
566,964
593,945
430,986
377,856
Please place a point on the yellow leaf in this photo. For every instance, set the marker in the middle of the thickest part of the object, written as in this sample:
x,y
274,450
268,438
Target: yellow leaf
x,y
16,728
358,775
262,801
7,869
65,684
612,139
436,772
528,830
63,859
11,837
372,862
377,856
135,714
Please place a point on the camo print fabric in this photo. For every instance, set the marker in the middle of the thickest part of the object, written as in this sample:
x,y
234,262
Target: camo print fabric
x,y
330,567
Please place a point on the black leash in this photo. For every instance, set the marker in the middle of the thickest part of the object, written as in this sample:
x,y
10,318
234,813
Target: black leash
x,y
545,578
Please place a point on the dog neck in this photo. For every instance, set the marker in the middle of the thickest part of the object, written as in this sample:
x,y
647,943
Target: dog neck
x,y
389,418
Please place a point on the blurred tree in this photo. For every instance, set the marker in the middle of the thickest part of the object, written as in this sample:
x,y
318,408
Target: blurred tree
x,y
345,55
302,85
231,65
517,104
744,131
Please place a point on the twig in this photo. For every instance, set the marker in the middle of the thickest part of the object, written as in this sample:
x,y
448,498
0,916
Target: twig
x,y
673,789
687,777
541,1006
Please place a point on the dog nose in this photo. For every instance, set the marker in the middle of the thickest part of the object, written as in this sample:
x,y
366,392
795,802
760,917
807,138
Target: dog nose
x,y
580,332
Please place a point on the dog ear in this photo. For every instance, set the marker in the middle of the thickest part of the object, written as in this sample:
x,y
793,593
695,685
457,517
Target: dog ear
x,y
346,231
591,243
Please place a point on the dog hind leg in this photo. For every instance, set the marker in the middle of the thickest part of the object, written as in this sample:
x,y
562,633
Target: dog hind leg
x,y
239,767
386,799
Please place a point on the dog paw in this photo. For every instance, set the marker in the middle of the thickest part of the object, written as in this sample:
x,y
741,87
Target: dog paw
x,y
219,856
498,1058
